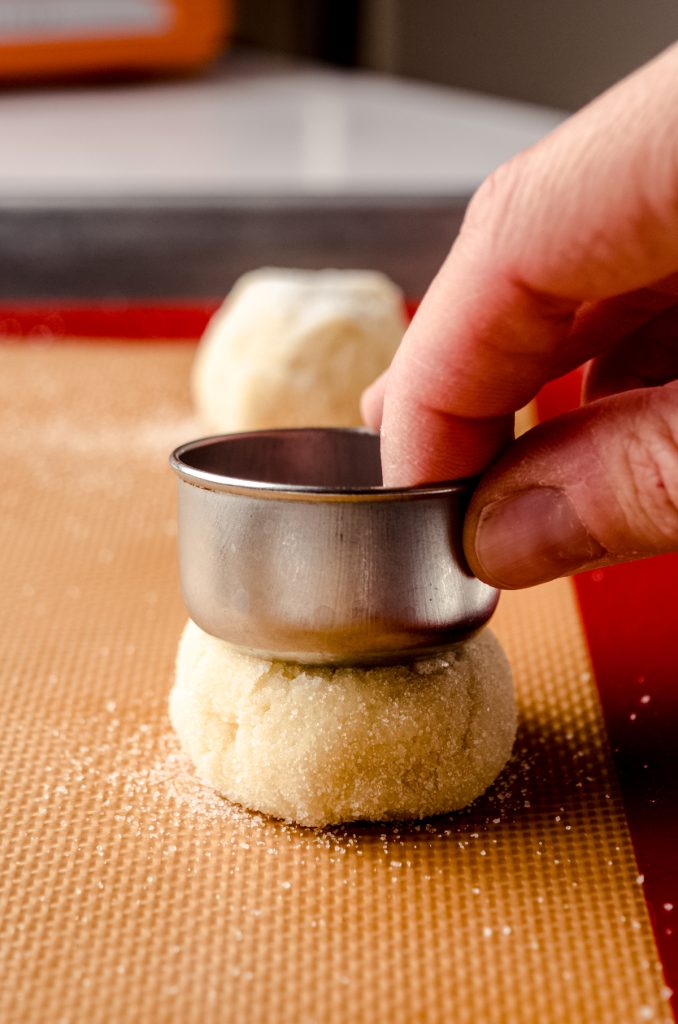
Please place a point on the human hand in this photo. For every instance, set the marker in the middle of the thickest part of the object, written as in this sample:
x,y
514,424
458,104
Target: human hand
x,y
568,253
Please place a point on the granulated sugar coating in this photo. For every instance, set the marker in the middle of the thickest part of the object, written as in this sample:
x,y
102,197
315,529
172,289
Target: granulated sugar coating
x,y
321,745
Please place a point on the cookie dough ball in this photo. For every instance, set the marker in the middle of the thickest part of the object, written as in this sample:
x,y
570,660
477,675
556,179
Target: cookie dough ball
x,y
321,745
293,348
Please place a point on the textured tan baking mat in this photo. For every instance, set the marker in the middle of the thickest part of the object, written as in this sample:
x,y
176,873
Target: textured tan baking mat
x,y
128,893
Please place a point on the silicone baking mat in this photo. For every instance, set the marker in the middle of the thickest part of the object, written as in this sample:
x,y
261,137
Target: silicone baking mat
x,y
130,893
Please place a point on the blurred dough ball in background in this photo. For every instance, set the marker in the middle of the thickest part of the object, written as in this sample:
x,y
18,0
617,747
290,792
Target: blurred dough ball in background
x,y
296,348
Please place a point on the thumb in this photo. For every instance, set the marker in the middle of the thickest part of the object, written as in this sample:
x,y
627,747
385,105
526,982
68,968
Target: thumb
x,y
596,486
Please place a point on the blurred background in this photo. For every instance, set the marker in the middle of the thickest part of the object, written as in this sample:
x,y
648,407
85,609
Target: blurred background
x,y
561,54
162,147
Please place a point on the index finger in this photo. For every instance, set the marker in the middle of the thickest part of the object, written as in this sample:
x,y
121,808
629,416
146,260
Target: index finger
x,y
590,213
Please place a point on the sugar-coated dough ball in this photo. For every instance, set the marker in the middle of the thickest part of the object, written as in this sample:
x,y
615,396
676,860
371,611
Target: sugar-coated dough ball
x,y
295,348
321,745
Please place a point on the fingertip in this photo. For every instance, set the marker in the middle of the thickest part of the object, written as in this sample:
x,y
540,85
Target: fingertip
x,y
589,488
530,537
372,402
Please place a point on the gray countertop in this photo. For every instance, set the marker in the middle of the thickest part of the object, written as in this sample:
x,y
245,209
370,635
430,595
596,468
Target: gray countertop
x,y
175,188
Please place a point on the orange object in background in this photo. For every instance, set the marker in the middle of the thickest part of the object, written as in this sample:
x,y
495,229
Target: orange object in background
x,y
71,37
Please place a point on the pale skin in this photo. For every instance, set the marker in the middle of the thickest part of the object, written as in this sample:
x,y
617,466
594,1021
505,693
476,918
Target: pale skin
x,y
568,254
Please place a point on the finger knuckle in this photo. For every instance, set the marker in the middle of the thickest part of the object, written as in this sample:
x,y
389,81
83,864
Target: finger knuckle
x,y
495,196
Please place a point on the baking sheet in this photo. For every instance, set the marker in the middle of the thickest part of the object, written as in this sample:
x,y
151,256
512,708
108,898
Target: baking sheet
x,y
128,892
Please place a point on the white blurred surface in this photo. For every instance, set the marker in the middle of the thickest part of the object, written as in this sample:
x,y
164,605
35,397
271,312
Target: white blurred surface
x,y
257,126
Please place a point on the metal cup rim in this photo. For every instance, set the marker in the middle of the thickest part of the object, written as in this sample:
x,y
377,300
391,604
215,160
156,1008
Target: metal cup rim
x,y
264,488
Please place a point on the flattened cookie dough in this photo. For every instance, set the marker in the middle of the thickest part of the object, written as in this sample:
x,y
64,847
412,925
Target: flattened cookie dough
x,y
322,745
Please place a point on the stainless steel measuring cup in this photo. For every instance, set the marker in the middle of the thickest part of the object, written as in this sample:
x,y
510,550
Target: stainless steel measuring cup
x,y
291,548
